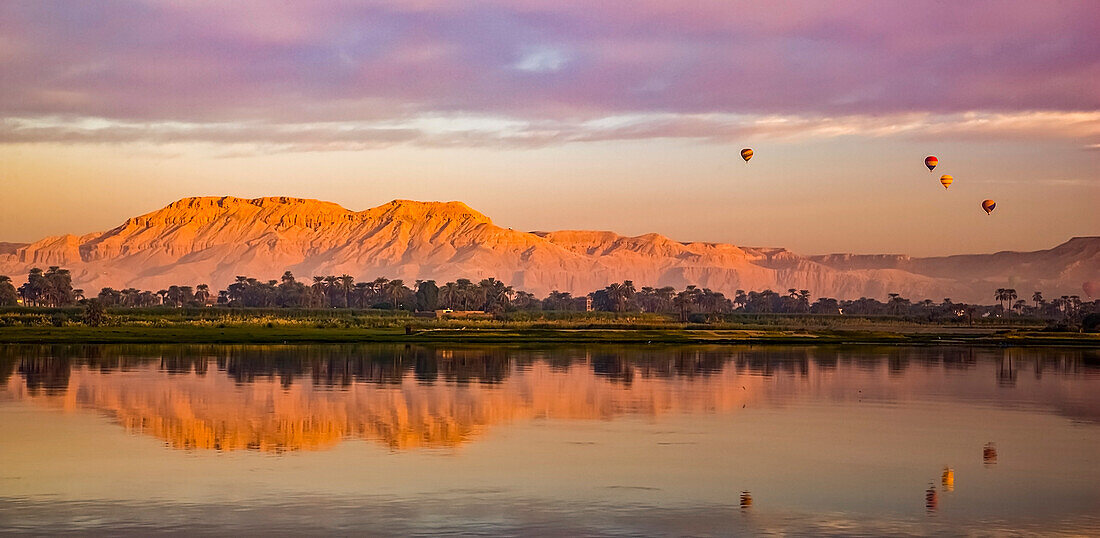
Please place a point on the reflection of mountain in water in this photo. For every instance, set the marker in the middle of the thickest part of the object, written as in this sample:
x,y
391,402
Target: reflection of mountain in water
x,y
276,398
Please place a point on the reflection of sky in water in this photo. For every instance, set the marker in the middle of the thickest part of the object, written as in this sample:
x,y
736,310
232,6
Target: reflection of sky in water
x,y
583,440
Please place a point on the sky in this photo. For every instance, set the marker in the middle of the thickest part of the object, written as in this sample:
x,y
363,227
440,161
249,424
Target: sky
x,y
546,115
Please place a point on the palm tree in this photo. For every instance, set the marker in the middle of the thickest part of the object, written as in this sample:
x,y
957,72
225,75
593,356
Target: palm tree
x,y
648,298
330,288
740,299
360,293
685,299
347,282
664,297
467,292
395,289
318,289
1019,306
448,295
927,304
8,295
895,303
1038,298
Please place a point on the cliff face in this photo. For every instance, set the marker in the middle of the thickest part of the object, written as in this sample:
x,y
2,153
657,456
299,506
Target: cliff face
x,y
212,240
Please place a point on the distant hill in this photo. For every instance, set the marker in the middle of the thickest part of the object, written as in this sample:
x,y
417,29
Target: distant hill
x,y
212,240
10,248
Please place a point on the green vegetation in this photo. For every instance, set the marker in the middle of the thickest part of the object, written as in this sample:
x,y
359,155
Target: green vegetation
x,y
248,325
53,288
338,309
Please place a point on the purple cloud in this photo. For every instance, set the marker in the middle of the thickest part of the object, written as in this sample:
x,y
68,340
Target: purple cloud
x,y
541,61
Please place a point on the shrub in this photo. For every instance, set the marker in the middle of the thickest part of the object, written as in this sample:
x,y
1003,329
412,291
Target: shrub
x,y
1060,327
94,313
1091,323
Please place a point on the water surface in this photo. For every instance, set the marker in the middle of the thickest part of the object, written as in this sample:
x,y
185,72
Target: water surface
x,y
593,440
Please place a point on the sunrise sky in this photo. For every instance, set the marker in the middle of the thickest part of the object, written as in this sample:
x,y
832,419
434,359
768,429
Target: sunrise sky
x,y
543,115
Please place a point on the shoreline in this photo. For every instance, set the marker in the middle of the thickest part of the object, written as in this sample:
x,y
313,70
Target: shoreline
x,y
334,335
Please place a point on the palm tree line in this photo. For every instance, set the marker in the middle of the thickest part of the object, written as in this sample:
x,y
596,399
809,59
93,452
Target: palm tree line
x,y
53,288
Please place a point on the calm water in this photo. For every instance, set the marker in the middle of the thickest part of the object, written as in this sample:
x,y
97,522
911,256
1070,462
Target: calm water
x,y
559,440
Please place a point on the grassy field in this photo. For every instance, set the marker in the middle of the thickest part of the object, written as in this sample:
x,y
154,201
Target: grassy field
x,y
307,334
217,325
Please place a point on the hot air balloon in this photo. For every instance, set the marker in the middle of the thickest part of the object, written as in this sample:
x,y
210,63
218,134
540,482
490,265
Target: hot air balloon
x,y
746,154
931,161
1092,288
989,206
946,180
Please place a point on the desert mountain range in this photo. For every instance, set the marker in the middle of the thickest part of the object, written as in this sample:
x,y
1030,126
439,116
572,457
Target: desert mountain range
x,y
211,240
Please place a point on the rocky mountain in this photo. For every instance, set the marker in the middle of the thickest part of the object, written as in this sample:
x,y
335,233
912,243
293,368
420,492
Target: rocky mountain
x,y
212,240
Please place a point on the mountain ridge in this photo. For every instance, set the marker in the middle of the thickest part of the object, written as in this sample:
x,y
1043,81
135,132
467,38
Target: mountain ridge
x,y
213,239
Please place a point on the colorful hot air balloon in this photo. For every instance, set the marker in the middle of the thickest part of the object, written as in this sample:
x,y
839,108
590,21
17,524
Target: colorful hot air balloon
x,y
946,180
1092,288
746,154
931,161
989,206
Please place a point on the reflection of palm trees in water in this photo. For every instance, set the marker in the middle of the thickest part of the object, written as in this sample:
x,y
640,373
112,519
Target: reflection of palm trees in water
x,y
1006,372
48,375
391,397
377,394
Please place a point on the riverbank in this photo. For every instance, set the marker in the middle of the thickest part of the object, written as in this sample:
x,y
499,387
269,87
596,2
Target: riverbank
x,y
503,335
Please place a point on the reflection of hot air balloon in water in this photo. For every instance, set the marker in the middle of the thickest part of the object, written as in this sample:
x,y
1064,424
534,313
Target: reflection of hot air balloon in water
x,y
1092,288
947,479
989,454
746,154
931,499
746,500
931,161
989,206
946,180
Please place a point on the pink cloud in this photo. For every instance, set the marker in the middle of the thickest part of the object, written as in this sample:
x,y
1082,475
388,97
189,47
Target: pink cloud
x,y
333,60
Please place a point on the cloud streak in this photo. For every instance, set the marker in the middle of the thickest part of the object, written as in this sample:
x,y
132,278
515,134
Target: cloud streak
x,y
462,131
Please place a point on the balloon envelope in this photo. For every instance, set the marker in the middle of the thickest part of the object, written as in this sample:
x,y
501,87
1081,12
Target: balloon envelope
x,y
946,180
931,161
989,206
746,154
1092,288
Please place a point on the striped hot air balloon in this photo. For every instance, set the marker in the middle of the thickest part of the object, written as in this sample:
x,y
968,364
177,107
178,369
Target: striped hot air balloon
x,y
746,154
931,161
946,180
989,206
